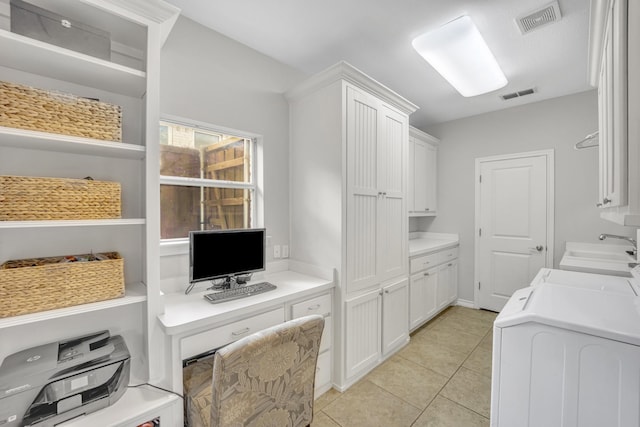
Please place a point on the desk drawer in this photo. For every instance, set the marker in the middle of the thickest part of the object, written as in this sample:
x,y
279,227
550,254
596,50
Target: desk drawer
x,y
218,337
318,305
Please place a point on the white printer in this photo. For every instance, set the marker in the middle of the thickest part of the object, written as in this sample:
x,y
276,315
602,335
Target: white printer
x,y
48,384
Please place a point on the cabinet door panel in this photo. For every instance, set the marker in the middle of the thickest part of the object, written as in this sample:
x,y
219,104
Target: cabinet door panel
x,y
431,204
362,189
392,146
395,321
417,299
442,286
422,297
393,253
392,221
612,103
362,341
421,176
452,268
362,242
411,187
430,293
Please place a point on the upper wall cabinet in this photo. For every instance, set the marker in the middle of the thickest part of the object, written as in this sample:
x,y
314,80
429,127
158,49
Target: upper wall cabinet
x,y
423,155
614,56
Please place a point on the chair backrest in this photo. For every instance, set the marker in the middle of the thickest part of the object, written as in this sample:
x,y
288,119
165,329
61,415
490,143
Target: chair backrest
x,y
268,378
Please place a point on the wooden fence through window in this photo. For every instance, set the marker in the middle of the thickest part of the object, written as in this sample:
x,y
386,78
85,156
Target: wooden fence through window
x,y
186,208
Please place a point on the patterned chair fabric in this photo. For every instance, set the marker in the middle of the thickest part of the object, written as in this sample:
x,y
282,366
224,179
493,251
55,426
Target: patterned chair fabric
x,y
263,380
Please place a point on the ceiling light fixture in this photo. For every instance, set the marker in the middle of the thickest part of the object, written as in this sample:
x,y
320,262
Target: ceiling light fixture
x,y
459,53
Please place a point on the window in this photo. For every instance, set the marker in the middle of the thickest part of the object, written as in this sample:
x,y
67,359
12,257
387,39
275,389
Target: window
x,y
207,179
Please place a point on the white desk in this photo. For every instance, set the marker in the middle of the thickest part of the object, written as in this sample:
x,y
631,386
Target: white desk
x,y
192,324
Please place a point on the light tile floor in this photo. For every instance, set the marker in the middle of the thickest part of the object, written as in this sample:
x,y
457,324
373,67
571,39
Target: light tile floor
x,y
442,378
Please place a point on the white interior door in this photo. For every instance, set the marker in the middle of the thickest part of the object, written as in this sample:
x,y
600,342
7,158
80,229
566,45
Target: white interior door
x,y
514,212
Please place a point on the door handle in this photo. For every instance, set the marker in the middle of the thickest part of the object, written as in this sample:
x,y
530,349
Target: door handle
x,y
538,248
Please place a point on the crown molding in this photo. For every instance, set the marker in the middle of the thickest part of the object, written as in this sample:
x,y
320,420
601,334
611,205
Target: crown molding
x,y
343,71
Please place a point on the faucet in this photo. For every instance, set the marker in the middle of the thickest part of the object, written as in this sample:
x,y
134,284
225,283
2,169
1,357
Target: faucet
x,y
628,239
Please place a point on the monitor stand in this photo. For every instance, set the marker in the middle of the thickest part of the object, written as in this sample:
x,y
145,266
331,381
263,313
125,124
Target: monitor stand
x,y
231,282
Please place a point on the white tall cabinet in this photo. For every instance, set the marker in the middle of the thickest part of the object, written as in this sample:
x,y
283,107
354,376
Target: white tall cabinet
x,y
349,142
139,28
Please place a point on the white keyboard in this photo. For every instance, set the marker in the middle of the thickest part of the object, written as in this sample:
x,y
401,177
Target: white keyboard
x,y
241,292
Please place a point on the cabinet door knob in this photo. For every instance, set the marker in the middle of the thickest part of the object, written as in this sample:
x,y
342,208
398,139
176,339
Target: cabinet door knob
x,y
386,291
426,274
606,201
598,205
449,265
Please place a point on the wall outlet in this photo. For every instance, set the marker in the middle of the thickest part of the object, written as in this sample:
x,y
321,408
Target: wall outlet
x,y
276,251
285,251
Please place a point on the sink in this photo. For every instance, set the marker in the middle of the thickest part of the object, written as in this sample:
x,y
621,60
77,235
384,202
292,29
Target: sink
x,y
613,256
597,258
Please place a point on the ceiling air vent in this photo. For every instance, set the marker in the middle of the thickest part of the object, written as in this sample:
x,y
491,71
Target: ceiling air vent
x,y
538,18
518,94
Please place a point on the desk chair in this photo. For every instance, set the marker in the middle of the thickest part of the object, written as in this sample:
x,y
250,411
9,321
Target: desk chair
x,y
264,379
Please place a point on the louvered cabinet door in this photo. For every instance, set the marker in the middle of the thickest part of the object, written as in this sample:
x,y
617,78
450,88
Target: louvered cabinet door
x,y
393,252
362,190
363,332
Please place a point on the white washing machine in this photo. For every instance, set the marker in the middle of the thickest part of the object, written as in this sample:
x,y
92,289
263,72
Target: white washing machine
x,y
566,353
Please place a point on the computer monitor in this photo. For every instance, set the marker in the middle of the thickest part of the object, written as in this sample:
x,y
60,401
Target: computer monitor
x,y
224,254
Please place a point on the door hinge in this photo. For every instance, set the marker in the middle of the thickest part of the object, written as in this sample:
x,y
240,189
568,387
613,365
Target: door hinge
x,y
479,285
480,179
480,232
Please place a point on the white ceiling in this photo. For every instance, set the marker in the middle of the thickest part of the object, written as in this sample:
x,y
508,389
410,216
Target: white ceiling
x,y
375,36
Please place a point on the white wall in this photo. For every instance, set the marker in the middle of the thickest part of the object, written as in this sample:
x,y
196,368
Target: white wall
x,y
208,77
558,124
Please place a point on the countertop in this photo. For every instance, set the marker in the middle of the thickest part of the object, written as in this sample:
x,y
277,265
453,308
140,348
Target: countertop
x,y
184,313
421,243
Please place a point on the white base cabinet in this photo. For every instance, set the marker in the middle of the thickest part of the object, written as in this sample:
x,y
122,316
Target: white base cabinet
x,y
377,326
433,285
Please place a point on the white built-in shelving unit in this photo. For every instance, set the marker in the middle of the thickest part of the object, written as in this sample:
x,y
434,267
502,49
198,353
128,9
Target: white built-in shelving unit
x,y
142,26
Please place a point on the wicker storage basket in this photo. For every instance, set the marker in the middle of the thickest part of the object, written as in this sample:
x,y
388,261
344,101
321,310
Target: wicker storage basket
x,y
29,108
24,198
32,285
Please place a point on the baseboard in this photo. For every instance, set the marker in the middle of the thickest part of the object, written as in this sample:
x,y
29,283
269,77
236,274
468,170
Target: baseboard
x,y
465,303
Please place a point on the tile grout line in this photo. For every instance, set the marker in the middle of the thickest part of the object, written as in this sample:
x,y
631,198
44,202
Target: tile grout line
x,y
457,370
449,380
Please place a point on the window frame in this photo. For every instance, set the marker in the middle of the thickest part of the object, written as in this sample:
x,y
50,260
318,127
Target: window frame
x,y
179,246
